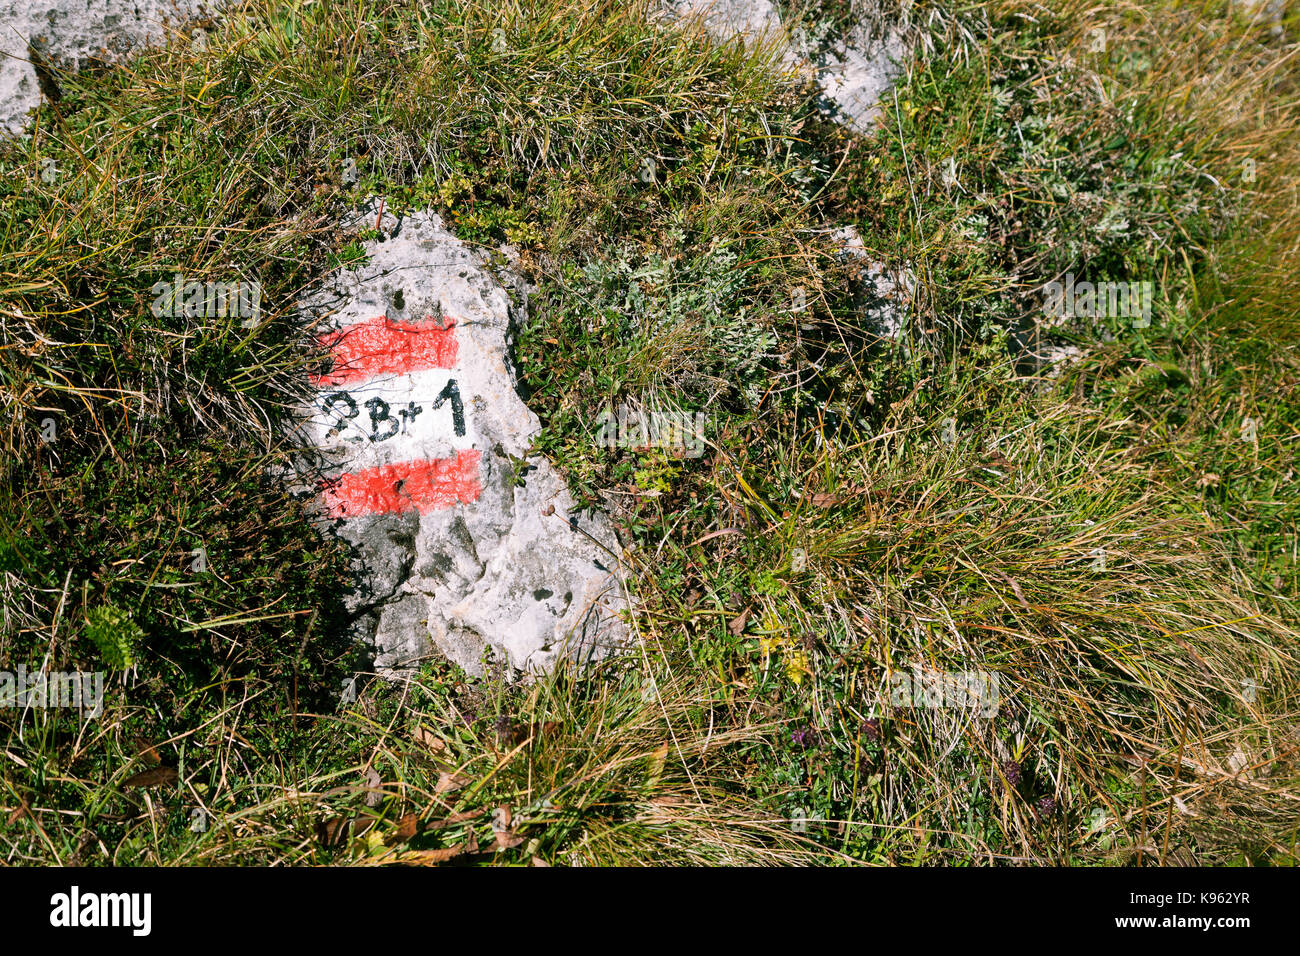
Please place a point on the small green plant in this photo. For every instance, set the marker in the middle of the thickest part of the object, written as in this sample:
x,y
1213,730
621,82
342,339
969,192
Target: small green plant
x,y
657,475
117,637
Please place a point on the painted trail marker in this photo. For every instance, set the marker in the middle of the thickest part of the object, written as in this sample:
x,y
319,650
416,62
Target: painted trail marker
x,y
392,405
418,430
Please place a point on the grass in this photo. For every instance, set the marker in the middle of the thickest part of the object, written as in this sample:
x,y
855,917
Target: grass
x,y
1114,538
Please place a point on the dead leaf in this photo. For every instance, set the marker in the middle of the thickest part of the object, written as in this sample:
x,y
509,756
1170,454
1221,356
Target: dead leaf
x,y
407,827
429,857
333,831
155,777
429,740
20,811
449,782
505,840
737,625
374,788
714,534
538,861
147,752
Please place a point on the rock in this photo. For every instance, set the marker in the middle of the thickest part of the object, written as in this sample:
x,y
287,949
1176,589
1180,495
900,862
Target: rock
x,y
725,19
465,542
884,294
854,72
67,33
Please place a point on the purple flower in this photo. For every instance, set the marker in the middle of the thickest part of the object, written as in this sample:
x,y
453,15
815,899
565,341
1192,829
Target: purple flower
x,y
1011,770
804,737
505,728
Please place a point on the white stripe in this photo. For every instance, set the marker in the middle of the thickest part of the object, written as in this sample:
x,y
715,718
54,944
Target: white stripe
x,y
391,419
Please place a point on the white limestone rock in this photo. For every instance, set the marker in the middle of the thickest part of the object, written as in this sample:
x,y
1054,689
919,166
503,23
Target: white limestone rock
x,y
884,293
854,72
67,33
494,561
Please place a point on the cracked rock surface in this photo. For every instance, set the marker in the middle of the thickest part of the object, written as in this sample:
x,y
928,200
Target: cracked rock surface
x,y
66,33
488,560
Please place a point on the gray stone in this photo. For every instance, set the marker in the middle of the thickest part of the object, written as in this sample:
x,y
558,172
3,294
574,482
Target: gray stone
x,y
517,575
66,33
854,72
884,293
725,19
857,73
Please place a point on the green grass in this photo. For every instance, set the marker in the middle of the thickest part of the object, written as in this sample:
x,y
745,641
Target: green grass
x,y
864,506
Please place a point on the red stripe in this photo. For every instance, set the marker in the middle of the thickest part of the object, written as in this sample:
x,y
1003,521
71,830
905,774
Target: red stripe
x,y
380,346
421,486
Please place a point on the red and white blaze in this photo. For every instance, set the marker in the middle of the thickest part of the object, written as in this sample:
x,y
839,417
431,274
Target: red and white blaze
x,y
391,410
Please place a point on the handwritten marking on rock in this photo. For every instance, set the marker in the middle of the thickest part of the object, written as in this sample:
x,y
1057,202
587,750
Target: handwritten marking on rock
x,y
392,399
467,541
